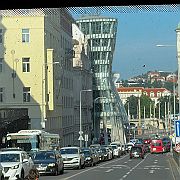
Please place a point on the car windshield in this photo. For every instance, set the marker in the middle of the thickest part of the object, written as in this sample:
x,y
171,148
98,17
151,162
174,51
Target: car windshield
x,y
156,144
86,152
43,156
9,158
136,149
114,147
69,151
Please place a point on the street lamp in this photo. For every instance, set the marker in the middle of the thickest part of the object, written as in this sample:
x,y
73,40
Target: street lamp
x,y
80,117
95,131
43,92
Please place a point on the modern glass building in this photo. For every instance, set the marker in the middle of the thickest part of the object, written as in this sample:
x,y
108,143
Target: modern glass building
x,y
109,114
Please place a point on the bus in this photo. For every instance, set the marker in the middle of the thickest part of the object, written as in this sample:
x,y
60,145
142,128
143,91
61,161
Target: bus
x,y
33,140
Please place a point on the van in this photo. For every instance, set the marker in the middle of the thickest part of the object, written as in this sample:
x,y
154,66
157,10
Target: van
x,y
157,146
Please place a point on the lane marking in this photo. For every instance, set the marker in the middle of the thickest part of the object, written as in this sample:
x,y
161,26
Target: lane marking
x,y
151,171
135,166
109,170
94,168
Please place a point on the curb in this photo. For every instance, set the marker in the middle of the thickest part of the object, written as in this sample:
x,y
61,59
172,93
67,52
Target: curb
x,y
174,167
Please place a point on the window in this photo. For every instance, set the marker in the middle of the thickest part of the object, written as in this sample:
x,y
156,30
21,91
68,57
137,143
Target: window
x,y
26,64
26,94
1,35
1,64
25,35
1,94
151,94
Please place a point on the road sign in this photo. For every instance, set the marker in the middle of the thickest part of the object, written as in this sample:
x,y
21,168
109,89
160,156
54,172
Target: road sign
x,y
86,137
80,132
81,138
177,128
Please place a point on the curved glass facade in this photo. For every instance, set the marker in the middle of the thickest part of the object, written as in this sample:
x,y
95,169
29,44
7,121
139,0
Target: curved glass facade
x,y
109,113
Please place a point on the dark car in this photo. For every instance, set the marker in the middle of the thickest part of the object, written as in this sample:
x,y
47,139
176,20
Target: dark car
x,y
48,162
136,152
90,159
105,153
167,144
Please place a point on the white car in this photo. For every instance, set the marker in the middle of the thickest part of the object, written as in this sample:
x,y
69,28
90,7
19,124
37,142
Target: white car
x,y
73,157
16,164
116,151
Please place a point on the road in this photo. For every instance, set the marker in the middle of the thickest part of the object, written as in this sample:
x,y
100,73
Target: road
x,y
152,167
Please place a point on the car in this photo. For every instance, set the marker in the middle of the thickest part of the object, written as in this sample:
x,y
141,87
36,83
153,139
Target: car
x,y
48,162
157,146
107,153
136,152
16,164
116,151
73,157
130,145
101,155
167,144
90,157
96,154
124,149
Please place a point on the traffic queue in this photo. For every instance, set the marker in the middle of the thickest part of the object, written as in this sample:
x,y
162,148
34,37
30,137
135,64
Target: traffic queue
x,y
15,162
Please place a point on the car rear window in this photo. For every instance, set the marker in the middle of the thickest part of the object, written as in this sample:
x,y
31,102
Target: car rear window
x,y
156,144
136,149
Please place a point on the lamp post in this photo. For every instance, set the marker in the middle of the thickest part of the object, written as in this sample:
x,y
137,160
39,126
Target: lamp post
x,y
80,116
44,65
95,133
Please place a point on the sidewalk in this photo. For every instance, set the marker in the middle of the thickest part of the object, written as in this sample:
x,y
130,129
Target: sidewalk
x,y
174,167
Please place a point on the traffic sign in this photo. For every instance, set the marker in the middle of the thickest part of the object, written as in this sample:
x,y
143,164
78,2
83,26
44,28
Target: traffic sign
x,y
177,128
80,132
86,137
80,138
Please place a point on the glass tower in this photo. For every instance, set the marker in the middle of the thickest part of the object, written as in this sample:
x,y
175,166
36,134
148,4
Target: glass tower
x,y
109,117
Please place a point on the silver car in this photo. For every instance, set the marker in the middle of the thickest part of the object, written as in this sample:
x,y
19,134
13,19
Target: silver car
x,y
73,157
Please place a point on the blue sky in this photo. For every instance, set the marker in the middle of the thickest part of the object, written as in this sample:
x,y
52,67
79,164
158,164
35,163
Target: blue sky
x,y
137,36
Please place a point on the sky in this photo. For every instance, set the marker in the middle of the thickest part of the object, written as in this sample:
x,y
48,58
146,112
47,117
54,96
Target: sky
x,y
137,36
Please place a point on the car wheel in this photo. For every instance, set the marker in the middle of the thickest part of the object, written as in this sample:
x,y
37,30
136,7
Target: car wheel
x,y
2,177
130,157
142,157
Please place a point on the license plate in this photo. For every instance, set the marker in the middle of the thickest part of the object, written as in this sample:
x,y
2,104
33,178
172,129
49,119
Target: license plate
x,y
136,155
41,168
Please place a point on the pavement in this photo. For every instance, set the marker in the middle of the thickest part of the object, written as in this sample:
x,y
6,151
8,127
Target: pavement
x,y
174,167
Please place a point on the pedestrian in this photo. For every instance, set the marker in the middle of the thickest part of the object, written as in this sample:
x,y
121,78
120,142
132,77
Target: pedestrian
x,y
33,174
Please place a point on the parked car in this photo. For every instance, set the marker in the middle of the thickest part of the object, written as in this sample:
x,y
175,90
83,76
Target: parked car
x,y
90,158
136,152
123,149
106,153
119,146
73,157
16,164
116,151
48,162
101,155
96,154
130,145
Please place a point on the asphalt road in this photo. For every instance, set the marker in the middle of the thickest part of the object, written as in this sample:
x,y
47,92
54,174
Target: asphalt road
x,y
152,167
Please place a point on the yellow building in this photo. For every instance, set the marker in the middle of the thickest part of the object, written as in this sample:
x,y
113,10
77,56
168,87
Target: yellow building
x,y
36,68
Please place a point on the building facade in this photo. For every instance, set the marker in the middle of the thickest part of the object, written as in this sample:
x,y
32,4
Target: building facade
x,y
82,76
109,113
36,72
